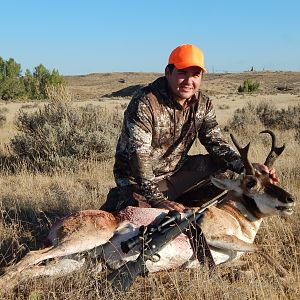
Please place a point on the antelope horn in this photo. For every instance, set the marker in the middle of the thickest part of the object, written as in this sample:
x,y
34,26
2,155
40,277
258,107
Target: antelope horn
x,y
275,151
244,155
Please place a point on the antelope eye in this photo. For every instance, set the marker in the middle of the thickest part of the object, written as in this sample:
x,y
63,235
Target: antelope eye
x,y
251,183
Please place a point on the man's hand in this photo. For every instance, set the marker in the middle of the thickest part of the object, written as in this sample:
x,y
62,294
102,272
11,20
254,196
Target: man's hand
x,y
170,205
273,176
271,172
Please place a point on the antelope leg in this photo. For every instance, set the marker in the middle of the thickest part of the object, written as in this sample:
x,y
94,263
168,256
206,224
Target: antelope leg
x,y
57,268
230,243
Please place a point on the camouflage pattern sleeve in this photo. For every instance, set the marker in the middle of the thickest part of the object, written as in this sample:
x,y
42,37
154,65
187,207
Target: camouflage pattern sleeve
x,y
210,136
138,120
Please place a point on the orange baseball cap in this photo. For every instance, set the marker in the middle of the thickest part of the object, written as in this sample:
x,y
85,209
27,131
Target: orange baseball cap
x,y
187,55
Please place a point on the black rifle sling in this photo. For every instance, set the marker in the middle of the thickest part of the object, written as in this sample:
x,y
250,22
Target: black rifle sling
x,y
199,245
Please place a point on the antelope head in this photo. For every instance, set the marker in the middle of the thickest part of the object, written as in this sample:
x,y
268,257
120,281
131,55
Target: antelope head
x,y
255,188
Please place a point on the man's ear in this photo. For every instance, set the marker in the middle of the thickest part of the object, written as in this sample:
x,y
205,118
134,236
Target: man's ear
x,y
167,71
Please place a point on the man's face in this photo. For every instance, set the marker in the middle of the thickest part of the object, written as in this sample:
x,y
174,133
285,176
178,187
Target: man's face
x,y
184,83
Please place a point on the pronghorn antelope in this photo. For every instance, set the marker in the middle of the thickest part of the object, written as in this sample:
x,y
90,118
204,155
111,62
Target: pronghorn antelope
x,y
230,228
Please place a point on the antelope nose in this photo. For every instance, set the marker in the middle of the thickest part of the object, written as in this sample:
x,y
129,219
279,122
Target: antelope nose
x,y
289,199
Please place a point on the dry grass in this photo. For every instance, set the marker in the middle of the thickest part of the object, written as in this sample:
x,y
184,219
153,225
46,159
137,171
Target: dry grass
x,y
30,203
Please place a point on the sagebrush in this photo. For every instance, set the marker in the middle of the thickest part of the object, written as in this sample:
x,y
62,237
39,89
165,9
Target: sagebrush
x,y
3,111
267,116
59,135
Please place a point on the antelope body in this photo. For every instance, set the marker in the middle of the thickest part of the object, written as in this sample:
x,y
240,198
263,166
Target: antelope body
x,y
230,229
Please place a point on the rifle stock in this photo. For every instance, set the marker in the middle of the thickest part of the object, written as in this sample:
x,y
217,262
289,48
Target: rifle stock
x,y
122,278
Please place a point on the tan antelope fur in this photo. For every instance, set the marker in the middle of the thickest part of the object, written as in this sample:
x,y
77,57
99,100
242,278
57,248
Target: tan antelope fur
x,y
230,229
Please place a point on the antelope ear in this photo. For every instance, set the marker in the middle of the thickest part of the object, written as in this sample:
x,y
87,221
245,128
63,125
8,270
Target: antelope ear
x,y
225,184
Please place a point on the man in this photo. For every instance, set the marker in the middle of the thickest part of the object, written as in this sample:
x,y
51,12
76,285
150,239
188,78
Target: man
x,y
152,165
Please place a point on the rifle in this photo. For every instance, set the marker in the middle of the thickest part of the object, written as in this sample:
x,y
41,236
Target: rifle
x,y
152,238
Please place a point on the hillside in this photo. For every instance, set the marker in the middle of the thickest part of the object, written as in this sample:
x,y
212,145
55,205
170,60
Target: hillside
x,y
99,85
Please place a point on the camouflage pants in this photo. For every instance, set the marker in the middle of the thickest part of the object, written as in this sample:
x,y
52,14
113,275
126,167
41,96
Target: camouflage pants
x,y
191,186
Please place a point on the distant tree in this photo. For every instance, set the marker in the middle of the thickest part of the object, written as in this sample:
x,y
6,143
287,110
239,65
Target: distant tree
x,y
55,78
32,85
12,69
42,76
2,66
36,83
11,86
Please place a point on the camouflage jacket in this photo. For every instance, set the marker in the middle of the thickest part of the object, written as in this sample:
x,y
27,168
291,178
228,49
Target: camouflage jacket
x,y
157,134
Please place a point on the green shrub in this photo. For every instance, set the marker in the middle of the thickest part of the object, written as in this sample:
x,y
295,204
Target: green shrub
x,y
248,86
59,135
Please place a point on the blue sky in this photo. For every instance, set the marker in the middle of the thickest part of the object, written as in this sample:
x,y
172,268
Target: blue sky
x,y
89,36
